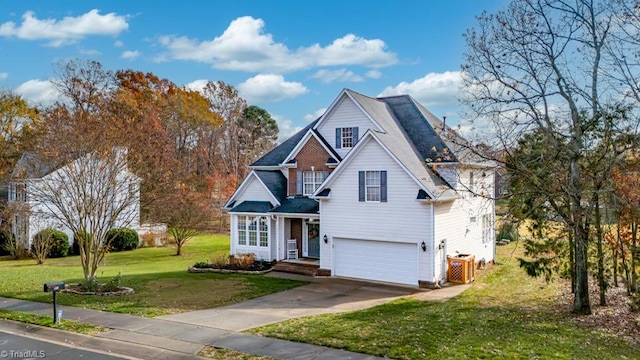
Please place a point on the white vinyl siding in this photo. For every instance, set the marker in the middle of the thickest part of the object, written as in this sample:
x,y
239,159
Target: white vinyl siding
x,y
473,237
254,191
400,219
345,114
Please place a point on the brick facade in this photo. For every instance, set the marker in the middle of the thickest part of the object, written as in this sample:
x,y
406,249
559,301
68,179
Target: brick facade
x,y
311,154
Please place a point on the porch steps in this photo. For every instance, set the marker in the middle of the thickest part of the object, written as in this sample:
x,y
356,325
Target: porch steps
x,y
296,268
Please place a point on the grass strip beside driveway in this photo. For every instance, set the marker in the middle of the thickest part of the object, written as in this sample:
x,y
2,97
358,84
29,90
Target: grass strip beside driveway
x,y
504,315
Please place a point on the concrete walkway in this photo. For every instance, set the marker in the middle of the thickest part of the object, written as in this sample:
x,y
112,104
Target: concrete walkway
x,y
181,336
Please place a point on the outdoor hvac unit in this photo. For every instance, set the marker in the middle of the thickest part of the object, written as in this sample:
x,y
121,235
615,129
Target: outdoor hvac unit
x,y
461,269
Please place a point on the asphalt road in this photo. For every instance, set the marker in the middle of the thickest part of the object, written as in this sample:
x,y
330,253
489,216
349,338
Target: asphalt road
x,y
22,347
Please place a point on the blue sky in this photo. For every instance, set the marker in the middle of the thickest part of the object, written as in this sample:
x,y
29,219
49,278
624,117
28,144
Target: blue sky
x,y
291,58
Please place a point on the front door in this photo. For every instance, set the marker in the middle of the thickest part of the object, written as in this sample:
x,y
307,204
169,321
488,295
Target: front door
x,y
312,239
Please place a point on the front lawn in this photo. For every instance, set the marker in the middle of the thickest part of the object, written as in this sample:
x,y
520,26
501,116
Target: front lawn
x,y
504,315
159,278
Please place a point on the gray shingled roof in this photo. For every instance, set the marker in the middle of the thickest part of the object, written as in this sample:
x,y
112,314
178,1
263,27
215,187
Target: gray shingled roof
x,y
252,207
396,140
298,205
33,166
420,130
277,155
274,181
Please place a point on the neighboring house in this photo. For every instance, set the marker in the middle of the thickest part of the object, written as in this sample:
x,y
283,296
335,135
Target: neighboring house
x,y
36,198
376,189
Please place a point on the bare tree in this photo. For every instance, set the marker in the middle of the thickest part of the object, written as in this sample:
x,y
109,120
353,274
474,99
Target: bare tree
x,y
553,67
90,195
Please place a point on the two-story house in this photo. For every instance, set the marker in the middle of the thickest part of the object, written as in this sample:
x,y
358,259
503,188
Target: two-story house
x,y
376,189
87,191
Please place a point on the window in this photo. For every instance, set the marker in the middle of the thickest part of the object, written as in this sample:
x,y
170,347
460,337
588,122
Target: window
x,y
242,230
486,228
253,231
372,186
346,137
471,182
312,180
472,219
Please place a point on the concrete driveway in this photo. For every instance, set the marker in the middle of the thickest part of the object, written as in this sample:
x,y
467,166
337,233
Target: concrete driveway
x,y
323,296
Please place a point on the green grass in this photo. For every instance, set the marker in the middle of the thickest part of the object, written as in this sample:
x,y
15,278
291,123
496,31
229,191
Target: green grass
x,y
67,325
505,315
159,278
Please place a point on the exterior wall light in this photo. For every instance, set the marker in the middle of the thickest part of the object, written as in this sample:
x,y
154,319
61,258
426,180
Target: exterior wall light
x,y
423,246
326,239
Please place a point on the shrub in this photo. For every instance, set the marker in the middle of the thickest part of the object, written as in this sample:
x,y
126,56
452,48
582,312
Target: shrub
x,y
50,243
244,261
5,240
220,260
201,265
60,244
113,284
123,239
508,230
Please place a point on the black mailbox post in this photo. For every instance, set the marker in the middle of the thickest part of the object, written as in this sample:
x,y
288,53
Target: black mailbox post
x,y
54,287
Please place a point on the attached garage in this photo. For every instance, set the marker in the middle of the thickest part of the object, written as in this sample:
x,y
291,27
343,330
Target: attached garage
x,y
376,260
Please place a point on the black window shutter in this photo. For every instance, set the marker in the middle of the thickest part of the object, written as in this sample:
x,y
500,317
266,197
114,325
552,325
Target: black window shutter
x,y
361,186
383,186
355,136
299,183
338,138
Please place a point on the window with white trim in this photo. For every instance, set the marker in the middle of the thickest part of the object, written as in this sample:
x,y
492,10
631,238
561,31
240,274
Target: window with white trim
x,y
486,228
311,181
253,231
347,137
372,185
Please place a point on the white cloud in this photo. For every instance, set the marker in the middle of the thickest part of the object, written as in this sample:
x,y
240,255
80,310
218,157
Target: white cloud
x,y
244,46
68,30
373,74
118,43
4,75
285,127
310,117
269,88
434,89
38,92
130,54
197,85
342,75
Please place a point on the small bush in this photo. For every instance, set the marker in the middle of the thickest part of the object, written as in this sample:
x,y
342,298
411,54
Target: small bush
x,y
220,260
90,285
60,244
508,231
123,239
114,283
5,240
244,261
201,265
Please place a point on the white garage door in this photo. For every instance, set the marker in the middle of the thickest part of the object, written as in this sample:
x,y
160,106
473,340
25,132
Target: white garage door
x,y
376,260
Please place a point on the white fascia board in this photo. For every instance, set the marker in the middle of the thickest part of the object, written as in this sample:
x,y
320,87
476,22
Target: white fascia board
x,y
345,92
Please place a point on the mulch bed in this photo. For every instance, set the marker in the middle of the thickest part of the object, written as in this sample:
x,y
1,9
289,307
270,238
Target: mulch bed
x,y
77,289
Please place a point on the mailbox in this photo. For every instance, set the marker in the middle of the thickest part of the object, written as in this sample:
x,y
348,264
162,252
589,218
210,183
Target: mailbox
x,y
53,286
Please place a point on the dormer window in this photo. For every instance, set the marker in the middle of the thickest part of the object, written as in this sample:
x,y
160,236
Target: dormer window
x,y
346,137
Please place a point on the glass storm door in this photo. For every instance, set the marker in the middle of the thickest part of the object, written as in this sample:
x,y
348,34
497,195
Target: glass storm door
x,y
313,240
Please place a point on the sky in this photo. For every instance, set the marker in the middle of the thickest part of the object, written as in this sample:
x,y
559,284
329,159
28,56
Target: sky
x,y
291,58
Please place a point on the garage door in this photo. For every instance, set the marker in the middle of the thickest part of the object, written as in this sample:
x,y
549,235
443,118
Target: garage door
x,y
376,260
